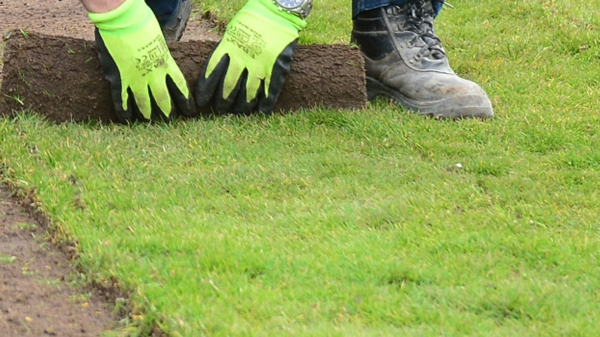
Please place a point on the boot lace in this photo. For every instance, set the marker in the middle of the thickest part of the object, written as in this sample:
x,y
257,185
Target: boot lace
x,y
420,21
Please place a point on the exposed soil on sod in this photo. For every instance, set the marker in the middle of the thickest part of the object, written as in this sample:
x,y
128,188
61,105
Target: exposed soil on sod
x,y
60,77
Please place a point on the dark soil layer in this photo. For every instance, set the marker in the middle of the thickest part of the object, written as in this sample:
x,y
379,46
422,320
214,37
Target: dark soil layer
x,y
34,297
69,18
60,77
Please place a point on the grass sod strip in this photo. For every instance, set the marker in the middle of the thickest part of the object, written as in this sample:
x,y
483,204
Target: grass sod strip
x,y
61,78
345,223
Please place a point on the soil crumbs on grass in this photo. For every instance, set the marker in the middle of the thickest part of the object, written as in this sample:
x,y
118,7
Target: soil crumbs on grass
x,y
36,298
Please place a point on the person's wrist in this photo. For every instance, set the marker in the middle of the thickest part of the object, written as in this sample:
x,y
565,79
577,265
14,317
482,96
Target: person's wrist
x,y
130,13
101,6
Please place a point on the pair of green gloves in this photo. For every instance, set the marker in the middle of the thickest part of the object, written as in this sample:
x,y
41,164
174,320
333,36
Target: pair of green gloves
x,y
245,72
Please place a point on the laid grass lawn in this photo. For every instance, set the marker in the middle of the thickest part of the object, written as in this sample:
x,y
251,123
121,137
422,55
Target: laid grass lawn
x,y
352,223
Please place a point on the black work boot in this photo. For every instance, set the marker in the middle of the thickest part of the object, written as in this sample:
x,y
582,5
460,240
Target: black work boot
x,y
174,28
405,61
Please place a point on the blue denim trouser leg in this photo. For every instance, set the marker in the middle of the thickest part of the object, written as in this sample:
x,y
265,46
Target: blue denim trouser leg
x,y
365,5
164,9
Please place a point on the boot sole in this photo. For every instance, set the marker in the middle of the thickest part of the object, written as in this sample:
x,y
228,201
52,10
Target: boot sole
x,y
451,108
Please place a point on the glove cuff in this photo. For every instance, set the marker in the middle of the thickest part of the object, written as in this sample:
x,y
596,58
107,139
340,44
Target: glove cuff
x,y
130,15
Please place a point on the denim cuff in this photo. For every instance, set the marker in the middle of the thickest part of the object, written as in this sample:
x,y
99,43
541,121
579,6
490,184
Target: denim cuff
x,y
164,10
365,5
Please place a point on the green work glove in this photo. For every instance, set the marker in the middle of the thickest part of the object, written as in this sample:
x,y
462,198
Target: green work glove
x,y
247,70
146,83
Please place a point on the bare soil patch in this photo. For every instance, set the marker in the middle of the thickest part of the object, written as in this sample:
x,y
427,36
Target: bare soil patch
x,y
35,297
69,18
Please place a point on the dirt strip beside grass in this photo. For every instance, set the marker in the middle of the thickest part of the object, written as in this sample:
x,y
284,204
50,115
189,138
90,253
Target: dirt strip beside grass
x,y
38,287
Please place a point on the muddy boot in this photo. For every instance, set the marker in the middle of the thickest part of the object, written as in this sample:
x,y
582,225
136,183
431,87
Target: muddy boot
x,y
173,29
406,62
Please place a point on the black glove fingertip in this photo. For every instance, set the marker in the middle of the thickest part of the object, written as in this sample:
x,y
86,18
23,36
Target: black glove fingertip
x,y
113,76
281,68
241,104
226,105
134,114
206,87
185,105
128,115
158,115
